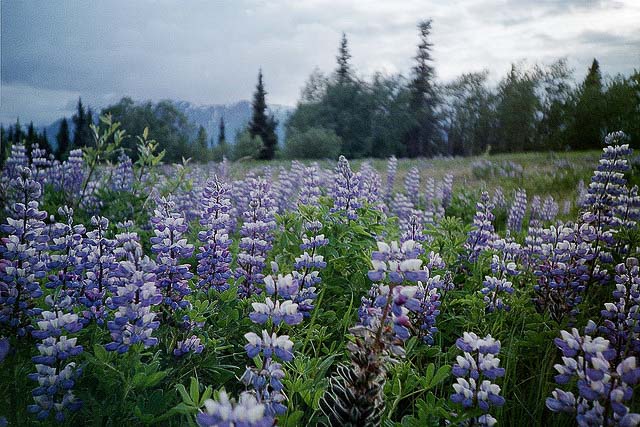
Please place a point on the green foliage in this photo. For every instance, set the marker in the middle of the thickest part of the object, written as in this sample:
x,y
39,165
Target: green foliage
x,y
247,147
314,143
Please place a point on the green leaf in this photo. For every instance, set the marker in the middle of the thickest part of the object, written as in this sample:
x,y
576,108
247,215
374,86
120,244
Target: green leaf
x,y
194,390
185,396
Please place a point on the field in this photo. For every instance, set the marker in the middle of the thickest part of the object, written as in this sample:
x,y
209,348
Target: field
x,y
466,291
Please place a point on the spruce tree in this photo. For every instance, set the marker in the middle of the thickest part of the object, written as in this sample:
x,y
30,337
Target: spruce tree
x,y
589,113
202,145
222,139
262,125
343,72
81,135
63,140
17,132
420,140
31,140
43,142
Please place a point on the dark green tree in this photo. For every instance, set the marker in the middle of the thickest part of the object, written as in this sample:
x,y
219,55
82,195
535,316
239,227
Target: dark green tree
x,y
201,145
31,139
62,140
623,106
17,132
222,138
556,81
343,72
421,139
81,133
261,124
517,106
587,127
43,142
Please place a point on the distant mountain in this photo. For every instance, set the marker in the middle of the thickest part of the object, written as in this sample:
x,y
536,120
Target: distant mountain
x,y
236,117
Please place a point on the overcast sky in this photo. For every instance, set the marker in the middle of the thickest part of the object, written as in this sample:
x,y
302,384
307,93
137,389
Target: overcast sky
x,y
209,52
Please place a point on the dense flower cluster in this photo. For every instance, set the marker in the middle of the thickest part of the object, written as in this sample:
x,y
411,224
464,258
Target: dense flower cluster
x,y
605,380
257,235
171,247
247,412
345,192
517,211
475,372
483,233
22,265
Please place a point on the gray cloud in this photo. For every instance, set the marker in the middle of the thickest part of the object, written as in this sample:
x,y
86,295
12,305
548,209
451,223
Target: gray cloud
x,y
210,52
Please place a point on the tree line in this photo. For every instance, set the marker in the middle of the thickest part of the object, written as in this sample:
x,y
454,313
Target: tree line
x,y
532,108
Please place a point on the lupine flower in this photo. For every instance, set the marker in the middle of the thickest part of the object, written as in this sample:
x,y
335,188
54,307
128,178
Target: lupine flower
x,y
55,374
398,262
412,185
256,239
122,177
21,266
605,379
475,370
310,188
214,259
171,247
268,387
135,294
67,254
498,200
392,168
413,230
190,345
286,312
345,192
248,412
447,190
428,294
269,345
100,263
354,395
483,232
517,211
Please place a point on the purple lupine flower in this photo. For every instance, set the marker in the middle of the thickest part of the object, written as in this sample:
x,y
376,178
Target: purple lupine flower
x,y
55,374
492,290
428,294
604,376
269,345
171,247
392,168
286,312
370,184
412,185
561,269
447,190
517,211
248,412
482,233
257,235
498,200
67,255
400,263
214,259
190,345
21,265
413,230
475,370
73,174
100,263
40,164
536,209
310,188
268,387
135,294
122,176
549,210
345,192
628,210
621,324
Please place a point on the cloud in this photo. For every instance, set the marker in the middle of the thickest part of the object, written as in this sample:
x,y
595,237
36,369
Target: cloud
x,y
209,52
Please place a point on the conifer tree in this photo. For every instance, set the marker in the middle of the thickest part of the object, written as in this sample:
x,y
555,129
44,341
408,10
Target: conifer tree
x,y
589,113
202,146
222,139
261,124
63,140
343,71
17,132
420,140
81,135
